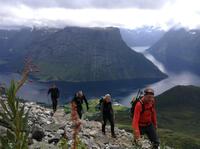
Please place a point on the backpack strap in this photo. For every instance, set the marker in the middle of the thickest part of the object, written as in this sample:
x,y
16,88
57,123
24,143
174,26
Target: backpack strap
x,y
141,102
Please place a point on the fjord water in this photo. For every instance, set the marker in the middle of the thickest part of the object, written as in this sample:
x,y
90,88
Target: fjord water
x,y
37,91
122,90
182,78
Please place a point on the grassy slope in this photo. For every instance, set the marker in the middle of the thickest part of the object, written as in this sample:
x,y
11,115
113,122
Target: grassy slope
x,y
178,111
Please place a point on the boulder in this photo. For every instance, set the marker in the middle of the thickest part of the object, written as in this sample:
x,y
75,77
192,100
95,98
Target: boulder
x,y
37,133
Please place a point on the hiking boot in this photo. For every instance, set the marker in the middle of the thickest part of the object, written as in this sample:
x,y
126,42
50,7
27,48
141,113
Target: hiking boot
x,y
155,145
114,136
52,113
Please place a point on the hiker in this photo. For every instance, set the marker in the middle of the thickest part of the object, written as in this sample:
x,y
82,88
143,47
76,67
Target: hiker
x,y
144,119
54,91
78,99
108,114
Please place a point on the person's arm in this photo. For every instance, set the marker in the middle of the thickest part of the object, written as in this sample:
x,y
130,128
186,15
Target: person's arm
x,y
111,109
102,106
154,116
136,118
85,100
100,103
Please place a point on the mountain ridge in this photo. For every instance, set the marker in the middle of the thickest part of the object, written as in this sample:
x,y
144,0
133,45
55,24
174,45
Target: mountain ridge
x,y
85,54
142,36
179,50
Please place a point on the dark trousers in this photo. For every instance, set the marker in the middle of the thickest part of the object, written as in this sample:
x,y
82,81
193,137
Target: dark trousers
x,y
79,111
150,131
108,117
54,104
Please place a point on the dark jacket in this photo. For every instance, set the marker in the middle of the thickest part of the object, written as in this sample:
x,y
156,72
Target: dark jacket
x,y
107,108
54,92
79,101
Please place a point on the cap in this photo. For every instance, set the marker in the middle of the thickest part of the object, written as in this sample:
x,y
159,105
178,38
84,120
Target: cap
x,y
80,93
149,90
107,95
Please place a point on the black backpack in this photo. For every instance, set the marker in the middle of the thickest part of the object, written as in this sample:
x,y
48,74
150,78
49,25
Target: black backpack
x,y
99,105
134,102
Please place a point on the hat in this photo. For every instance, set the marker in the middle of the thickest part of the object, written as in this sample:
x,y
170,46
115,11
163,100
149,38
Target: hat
x,y
80,93
149,90
107,95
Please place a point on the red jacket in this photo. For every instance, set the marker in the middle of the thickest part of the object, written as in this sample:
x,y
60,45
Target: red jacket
x,y
144,118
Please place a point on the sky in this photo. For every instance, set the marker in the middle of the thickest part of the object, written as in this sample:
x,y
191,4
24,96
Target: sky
x,y
100,13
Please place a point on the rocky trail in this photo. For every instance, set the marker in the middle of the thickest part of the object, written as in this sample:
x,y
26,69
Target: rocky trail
x,y
46,131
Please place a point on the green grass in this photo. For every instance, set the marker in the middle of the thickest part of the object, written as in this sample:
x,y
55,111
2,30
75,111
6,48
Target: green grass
x,y
122,118
185,121
178,140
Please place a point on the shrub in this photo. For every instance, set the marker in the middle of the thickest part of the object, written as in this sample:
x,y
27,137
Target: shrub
x,y
13,115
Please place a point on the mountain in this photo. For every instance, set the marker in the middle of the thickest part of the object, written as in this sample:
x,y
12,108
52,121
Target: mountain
x,y
179,50
13,44
17,40
81,54
143,36
179,113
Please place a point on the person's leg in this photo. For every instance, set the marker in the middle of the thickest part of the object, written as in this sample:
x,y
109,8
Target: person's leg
x,y
79,111
53,104
111,120
104,124
152,135
142,130
56,103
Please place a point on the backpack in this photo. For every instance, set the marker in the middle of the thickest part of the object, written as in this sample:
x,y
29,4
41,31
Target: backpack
x,y
99,105
134,102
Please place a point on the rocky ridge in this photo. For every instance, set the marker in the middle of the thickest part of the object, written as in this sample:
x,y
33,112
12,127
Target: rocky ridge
x,y
90,134
46,131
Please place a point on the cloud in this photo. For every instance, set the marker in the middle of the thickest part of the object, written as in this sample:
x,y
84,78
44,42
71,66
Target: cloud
x,y
80,4
60,13
60,17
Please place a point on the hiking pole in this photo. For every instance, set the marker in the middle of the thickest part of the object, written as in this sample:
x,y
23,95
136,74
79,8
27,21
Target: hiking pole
x,y
135,97
138,93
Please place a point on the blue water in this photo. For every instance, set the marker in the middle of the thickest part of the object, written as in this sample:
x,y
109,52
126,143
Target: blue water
x,y
37,91
183,78
122,91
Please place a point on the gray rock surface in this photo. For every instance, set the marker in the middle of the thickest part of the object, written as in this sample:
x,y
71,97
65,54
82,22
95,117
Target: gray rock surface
x,y
46,131
90,132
